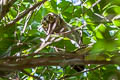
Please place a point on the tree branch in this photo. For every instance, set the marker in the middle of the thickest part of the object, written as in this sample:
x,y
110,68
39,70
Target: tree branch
x,y
5,8
36,77
78,73
11,64
24,13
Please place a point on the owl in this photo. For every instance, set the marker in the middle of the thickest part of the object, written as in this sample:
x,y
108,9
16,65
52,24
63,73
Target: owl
x,y
53,23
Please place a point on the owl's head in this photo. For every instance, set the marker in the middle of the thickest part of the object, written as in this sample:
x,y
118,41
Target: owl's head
x,y
48,19
52,23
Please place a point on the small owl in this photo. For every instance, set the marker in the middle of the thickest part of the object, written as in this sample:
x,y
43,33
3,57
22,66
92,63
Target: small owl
x,y
52,23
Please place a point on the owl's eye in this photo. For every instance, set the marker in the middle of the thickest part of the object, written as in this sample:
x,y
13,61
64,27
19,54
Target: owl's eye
x,y
51,17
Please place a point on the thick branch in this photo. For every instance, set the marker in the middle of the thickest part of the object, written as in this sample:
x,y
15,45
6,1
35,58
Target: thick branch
x,y
47,60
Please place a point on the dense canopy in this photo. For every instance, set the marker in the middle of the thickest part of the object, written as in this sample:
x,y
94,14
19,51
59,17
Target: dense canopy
x,y
30,51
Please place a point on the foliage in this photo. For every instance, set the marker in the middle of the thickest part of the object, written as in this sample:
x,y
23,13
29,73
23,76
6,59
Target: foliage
x,y
25,35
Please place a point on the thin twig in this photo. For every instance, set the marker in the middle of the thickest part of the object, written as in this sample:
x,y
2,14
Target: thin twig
x,y
68,32
44,44
78,73
95,4
27,20
24,13
49,40
36,77
5,8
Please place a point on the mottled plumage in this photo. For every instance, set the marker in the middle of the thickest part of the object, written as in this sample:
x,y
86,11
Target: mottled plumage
x,y
52,23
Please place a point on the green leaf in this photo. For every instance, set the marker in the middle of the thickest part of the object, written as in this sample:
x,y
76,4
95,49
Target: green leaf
x,y
116,23
99,35
67,44
54,5
98,47
101,28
